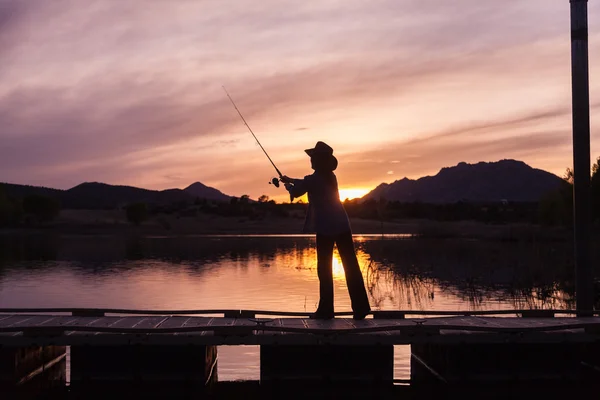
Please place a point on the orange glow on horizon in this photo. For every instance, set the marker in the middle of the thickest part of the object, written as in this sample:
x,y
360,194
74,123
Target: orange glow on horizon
x,y
345,193
353,193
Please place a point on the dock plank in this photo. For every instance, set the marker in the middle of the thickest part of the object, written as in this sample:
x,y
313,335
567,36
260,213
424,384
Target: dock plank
x,y
127,322
151,322
376,323
35,321
203,321
369,323
279,323
77,321
95,322
283,323
296,322
244,322
350,323
325,324
15,320
175,322
124,323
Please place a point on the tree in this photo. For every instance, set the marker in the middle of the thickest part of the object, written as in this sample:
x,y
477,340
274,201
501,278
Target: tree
x,y
557,208
10,209
566,192
137,213
44,208
569,176
245,199
263,199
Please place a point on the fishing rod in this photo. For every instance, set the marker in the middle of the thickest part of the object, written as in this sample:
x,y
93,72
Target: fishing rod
x,y
273,181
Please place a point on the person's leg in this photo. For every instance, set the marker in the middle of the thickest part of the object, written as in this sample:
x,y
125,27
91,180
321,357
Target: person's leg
x,y
354,278
325,273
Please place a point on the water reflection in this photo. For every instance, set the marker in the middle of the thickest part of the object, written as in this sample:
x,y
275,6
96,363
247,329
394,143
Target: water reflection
x,y
277,272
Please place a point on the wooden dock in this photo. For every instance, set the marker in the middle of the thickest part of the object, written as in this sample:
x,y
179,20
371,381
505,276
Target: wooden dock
x,y
69,330
108,345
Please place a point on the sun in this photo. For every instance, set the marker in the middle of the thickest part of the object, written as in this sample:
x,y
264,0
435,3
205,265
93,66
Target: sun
x,y
352,193
345,193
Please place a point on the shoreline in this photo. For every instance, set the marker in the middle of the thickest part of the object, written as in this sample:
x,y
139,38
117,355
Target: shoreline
x,y
208,225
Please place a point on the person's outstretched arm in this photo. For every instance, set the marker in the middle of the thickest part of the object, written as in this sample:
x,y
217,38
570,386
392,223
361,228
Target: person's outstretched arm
x,y
297,187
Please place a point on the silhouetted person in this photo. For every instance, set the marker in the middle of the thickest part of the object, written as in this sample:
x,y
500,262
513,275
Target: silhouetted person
x,y
327,218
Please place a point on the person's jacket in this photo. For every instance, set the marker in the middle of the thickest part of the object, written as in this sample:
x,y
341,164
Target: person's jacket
x,y
326,214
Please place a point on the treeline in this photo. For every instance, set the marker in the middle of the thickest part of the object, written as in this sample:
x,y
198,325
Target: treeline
x,y
241,206
557,208
503,212
29,209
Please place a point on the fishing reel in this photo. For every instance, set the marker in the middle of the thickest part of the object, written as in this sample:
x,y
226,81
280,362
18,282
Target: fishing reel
x,y
274,182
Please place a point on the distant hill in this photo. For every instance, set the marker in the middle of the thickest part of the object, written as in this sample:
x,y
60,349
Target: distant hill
x,y
206,192
95,195
482,182
26,190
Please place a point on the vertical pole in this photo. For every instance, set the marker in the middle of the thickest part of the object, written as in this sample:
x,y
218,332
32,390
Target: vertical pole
x,y
581,155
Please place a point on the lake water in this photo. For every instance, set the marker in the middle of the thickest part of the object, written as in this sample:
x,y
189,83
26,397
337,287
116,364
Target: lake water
x,y
276,273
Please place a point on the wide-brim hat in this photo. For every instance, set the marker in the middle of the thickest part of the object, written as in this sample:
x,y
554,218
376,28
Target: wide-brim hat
x,y
324,153
333,162
326,162
320,148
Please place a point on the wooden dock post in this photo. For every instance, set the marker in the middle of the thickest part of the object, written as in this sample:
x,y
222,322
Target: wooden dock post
x,y
581,156
321,364
186,367
33,369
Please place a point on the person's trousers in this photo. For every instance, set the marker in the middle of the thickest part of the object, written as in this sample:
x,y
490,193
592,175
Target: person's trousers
x,y
354,279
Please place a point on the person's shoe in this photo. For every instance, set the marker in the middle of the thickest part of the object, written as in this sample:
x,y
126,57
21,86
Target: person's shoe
x,y
322,315
361,314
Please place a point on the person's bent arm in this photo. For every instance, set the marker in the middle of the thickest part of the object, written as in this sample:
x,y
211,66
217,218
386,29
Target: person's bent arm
x,y
287,179
298,187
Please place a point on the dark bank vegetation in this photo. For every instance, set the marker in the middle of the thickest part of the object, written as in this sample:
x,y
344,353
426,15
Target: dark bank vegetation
x,y
28,210
528,275
22,206
136,213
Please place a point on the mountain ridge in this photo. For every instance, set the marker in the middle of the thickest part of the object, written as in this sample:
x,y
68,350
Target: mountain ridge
x,y
199,189
506,179
99,195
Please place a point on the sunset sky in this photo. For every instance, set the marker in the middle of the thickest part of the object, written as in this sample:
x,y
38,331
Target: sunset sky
x,y
129,92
